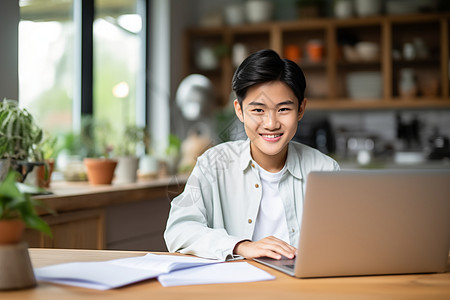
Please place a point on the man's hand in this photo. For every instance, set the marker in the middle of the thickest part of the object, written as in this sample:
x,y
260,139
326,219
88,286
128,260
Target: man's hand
x,y
268,247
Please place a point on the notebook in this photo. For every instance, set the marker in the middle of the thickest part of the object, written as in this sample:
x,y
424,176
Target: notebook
x,y
372,223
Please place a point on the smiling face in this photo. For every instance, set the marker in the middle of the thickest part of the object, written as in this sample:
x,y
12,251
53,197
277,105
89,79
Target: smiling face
x,y
270,114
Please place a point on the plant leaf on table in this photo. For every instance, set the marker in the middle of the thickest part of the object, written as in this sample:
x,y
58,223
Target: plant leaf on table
x,y
16,203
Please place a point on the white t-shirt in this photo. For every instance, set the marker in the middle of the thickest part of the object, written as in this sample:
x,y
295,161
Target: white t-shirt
x,y
271,219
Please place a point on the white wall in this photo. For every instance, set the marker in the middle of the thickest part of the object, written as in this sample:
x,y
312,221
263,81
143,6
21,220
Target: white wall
x,y
9,21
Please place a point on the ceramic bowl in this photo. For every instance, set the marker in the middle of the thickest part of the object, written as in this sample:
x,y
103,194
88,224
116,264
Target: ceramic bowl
x,y
367,51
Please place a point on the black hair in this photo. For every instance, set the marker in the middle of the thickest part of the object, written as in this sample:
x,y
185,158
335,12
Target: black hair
x,y
265,66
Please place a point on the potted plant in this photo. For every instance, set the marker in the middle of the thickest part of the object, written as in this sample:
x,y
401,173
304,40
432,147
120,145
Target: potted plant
x,y
17,211
99,165
148,163
127,159
70,157
18,134
172,156
45,151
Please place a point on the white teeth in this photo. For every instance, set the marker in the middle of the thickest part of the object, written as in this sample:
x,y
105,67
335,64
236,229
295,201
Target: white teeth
x,y
271,136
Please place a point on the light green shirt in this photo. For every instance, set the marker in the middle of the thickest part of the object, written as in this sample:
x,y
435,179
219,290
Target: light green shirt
x,y
220,202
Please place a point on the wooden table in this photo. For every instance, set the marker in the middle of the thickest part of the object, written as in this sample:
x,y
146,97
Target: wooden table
x,y
420,286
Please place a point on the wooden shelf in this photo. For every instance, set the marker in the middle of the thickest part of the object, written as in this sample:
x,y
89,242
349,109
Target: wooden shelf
x,y
390,32
346,104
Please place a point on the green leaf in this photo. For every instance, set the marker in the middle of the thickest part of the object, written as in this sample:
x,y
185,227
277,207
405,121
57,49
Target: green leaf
x,y
35,222
8,187
16,202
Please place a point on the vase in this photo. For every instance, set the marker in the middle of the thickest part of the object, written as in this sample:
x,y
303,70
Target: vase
x,y
365,8
407,84
126,170
16,270
258,11
343,9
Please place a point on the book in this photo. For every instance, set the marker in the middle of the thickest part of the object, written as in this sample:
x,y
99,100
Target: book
x,y
117,273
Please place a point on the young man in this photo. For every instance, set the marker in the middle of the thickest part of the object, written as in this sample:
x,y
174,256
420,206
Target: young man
x,y
245,198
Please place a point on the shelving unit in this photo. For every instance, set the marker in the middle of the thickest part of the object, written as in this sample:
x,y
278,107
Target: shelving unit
x,y
327,80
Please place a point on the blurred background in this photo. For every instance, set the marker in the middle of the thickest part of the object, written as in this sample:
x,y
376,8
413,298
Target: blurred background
x,y
377,72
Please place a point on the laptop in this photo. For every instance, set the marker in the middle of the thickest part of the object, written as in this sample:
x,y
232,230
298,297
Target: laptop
x,y
372,223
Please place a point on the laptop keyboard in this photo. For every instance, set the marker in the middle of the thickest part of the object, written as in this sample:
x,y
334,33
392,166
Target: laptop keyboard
x,y
290,266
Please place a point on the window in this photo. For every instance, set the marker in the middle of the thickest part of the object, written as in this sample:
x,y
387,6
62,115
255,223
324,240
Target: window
x,y
49,71
116,64
46,64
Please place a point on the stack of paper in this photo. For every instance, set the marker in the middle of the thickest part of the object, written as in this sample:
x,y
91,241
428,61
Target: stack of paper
x,y
217,273
170,270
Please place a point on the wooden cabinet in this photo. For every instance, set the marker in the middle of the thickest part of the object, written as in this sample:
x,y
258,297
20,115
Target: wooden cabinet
x,y
78,230
122,217
418,43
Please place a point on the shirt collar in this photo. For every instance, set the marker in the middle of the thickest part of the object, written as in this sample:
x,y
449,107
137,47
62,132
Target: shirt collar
x,y
245,157
292,161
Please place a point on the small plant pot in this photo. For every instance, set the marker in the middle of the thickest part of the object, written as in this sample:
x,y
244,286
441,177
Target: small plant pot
x,y
100,170
11,231
126,171
16,270
148,167
44,174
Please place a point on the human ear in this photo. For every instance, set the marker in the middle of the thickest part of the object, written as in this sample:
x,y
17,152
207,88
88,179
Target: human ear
x,y
301,111
238,110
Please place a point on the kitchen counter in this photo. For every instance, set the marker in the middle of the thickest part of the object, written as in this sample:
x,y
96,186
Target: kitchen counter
x,y
69,196
390,164
118,216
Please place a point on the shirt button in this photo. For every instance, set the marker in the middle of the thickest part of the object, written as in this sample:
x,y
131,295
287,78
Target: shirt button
x,y
253,165
250,221
293,230
256,185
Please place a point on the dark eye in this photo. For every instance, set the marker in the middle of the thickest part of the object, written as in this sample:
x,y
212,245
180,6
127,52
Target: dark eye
x,y
284,109
258,110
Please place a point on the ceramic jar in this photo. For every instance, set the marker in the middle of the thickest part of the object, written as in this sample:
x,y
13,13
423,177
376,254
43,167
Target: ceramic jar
x,y
293,52
366,8
206,59
315,51
126,169
407,83
343,9
258,11
239,53
234,14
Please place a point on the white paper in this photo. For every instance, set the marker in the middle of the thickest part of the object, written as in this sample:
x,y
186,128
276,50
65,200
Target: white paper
x,y
116,273
218,273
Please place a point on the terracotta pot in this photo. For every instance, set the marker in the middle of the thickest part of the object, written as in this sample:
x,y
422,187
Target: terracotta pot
x,y
11,231
100,170
43,180
293,52
315,50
